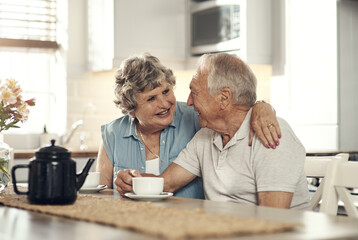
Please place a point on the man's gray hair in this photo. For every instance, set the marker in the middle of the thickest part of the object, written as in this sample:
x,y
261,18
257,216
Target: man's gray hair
x,y
137,74
227,70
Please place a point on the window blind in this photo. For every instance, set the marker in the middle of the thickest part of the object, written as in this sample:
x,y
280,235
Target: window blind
x,y
28,23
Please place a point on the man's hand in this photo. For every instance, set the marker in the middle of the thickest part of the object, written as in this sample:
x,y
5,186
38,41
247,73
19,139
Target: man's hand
x,y
123,180
264,124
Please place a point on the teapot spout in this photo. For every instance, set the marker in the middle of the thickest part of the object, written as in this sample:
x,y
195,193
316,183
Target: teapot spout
x,y
80,178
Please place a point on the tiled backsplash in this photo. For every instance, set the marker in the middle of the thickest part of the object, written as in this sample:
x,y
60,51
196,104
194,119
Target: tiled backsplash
x,y
96,89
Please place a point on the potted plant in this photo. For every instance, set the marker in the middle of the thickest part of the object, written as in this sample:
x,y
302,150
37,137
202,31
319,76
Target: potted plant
x,y
13,109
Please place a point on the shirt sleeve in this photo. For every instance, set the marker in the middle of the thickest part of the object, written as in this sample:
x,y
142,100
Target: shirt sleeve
x,y
188,157
279,169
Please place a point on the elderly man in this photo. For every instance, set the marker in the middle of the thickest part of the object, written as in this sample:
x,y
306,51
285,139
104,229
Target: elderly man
x,y
223,90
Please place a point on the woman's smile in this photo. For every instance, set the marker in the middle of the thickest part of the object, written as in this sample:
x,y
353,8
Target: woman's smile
x,y
164,113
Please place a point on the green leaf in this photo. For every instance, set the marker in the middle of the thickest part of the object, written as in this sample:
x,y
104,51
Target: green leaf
x,y
4,170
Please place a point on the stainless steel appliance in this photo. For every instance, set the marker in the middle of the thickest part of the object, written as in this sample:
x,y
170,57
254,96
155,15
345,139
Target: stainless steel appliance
x,y
215,26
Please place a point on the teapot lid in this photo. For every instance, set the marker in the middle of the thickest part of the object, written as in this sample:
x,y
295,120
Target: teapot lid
x,y
53,152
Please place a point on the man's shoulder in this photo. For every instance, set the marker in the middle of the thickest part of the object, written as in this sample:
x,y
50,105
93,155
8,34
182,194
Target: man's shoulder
x,y
287,130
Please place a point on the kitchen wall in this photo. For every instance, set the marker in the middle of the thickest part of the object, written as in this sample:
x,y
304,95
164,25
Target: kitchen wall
x,y
90,94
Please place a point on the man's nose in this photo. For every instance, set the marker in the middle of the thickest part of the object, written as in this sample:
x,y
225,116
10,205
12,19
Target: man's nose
x,y
189,102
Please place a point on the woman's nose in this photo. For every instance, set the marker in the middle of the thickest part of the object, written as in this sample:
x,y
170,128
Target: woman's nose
x,y
163,102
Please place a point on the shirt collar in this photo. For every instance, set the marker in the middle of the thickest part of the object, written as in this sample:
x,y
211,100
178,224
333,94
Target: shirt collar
x,y
241,133
244,129
131,131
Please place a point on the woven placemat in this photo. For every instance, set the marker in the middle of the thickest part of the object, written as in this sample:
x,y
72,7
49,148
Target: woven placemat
x,y
147,218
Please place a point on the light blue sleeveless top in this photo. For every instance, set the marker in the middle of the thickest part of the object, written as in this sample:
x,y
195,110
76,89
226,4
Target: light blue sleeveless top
x,y
125,149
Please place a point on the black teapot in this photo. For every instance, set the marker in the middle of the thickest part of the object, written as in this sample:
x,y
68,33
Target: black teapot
x,y
52,176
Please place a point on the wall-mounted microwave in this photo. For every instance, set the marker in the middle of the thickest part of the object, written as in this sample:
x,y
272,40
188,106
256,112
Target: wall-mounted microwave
x,y
216,26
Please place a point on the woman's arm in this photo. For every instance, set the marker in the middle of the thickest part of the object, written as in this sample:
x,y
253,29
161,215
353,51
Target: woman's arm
x,y
105,167
264,124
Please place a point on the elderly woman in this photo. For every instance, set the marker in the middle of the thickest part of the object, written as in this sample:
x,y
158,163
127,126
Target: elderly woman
x,y
156,127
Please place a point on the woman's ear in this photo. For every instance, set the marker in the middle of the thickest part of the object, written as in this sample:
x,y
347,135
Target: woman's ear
x,y
224,97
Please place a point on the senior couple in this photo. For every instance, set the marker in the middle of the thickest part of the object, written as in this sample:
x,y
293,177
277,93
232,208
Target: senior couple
x,y
205,147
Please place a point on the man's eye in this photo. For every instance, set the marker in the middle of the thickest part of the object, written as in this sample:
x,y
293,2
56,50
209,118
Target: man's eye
x,y
150,99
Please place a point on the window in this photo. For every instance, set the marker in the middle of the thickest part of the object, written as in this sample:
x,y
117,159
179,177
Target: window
x,y
30,52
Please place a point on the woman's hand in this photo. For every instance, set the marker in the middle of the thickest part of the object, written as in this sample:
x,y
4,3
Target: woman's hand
x,y
123,180
264,124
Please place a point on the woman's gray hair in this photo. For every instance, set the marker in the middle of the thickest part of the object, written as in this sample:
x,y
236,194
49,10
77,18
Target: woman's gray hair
x,y
137,74
226,70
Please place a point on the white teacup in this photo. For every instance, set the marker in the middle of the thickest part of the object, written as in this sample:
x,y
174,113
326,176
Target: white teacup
x,y
92,180
148,185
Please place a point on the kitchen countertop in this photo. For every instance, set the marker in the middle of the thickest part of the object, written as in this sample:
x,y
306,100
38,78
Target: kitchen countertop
x,y
29,153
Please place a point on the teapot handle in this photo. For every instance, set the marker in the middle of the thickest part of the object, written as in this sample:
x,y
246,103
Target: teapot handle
x,y
14,178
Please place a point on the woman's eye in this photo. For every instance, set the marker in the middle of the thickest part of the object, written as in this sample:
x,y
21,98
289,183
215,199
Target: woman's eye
x,y
150,99
166,91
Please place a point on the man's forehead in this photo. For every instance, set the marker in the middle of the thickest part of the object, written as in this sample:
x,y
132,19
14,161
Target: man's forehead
x,y
194,80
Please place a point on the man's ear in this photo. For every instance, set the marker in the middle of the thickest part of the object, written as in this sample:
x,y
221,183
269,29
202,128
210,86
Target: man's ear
x,y
224,97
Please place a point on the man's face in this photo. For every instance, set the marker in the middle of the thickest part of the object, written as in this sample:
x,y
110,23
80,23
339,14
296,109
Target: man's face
x,y
204,104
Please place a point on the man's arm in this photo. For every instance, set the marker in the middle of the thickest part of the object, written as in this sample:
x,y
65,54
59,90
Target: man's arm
x,y
176,177
275,199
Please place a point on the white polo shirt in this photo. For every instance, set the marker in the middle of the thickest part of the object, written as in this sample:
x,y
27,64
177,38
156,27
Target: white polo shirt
x,y
237,171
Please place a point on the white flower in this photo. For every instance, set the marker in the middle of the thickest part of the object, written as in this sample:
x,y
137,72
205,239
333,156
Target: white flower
x,y
24,112
7,96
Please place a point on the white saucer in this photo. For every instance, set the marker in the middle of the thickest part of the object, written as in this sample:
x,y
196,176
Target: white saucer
x,y
149,197
93,190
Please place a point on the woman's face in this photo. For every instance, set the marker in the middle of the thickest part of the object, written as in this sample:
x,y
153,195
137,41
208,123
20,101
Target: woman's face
x,y
156,107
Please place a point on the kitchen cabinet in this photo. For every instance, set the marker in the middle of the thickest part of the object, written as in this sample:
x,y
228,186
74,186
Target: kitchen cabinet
x,y
156,26
162,28
256,32
100,45
348,75
314,73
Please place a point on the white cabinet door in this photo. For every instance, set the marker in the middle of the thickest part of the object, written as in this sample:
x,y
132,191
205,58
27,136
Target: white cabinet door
x,y
155,26
306,92
100,34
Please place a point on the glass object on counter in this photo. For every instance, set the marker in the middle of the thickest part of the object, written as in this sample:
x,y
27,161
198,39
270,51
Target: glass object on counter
x,y
5,158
